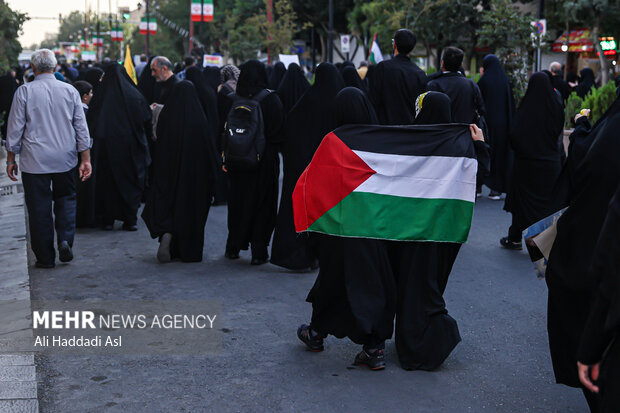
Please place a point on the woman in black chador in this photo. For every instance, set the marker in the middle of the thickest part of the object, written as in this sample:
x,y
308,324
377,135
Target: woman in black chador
x,y
253,195
353,79
572,287
354,294
586,82
307,123
180,195
538,159
120,120
425,333
279,70
499,105
292,87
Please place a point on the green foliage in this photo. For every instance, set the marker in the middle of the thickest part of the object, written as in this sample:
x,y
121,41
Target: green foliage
x,y
597,100
71,27
10,28
508,32
277,36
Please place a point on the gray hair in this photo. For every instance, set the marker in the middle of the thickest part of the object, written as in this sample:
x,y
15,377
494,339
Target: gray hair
x,y
162,61
555,68
43,61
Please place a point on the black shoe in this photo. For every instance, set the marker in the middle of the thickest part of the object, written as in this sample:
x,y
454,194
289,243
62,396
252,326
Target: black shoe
x,y
314,343
259,261
129,227
374,361
65,254
231,255
44,265
510,245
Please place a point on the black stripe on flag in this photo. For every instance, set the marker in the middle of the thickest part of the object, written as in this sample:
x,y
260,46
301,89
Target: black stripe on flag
x,y
414,140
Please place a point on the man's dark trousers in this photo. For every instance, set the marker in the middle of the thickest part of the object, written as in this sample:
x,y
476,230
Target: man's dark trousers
x,y
40,190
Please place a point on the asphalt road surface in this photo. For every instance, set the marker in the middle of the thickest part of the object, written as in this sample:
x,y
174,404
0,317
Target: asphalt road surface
x,y
502,364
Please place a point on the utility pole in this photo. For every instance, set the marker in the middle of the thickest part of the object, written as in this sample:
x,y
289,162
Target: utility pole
x,y
330,46
148,30
98,32
541,8
270,20
313,50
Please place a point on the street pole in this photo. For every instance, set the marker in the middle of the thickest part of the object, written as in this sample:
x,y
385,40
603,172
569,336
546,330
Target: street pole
x,y
148,27
541,7
98,32
330,46
313,50
270,20
190,46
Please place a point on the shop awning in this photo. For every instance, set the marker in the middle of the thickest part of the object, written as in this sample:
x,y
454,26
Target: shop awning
x,y
579,41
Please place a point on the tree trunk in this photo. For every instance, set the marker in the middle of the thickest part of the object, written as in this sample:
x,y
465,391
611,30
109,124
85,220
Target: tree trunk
x,y
323,47
597,46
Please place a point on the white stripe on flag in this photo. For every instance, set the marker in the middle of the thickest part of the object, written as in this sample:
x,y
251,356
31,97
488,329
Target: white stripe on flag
x,y
434,177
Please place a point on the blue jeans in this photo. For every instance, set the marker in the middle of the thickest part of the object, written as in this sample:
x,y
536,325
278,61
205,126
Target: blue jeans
x,y
39,191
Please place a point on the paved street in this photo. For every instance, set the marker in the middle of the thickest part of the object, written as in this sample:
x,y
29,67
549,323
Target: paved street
x,y
502,364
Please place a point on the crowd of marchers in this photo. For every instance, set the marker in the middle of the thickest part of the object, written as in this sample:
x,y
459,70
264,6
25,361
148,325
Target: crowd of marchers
x,y
180,141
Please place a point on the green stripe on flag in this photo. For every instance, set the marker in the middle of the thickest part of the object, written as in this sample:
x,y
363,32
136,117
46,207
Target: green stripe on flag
x,y
368,215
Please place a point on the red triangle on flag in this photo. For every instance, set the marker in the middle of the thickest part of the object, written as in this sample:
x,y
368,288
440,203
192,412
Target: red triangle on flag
x,y
334,172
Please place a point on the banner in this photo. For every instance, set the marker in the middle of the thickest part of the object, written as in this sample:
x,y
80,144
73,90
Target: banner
x,y
116,34
213,60
202,10
287,59
152,25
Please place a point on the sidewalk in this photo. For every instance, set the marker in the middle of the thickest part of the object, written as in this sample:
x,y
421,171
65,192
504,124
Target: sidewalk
x,y
18,384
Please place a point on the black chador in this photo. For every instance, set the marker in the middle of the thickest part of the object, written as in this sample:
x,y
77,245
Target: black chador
x,y
537,158
208,101
571,285
279,70
292,87
179,198
150,88
120,121
354,294
499,105
353,79
307,123
253,195
425,333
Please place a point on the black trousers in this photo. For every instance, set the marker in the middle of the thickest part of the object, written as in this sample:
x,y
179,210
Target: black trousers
x,y
40,191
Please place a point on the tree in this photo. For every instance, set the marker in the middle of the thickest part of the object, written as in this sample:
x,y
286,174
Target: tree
x,y
11,23
509,33
71,27
277,36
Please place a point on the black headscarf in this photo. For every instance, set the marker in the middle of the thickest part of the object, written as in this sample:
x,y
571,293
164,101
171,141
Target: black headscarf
x,y
206,95
212,76
252,79
279,70
539,120
586,82
150,88
292,87
352,78
93,76
354,108
432,108
8,86
183,178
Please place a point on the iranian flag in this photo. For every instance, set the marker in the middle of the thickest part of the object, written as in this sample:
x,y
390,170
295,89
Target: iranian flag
x,y
409,183
202,10
375,55
152,25
97,41
116,34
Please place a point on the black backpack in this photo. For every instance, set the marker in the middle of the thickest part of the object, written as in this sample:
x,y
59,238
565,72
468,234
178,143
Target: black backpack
x,y
243,143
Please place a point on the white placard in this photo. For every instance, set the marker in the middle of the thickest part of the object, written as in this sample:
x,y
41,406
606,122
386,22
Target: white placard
x,y
345,43
287,59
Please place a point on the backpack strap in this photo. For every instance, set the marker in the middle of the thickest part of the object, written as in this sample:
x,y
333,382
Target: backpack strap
x,y
261,95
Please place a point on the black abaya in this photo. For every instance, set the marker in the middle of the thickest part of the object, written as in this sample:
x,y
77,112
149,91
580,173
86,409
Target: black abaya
x,y
93,76
150,88
292,87
212,76
571,286
208,101
121,121
184,174
253,196
586,82
354,293
352,78
499,105
306,124
538,160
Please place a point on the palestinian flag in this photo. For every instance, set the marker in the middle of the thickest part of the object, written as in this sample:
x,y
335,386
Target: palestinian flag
x,y
410,183
375,55
202,10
